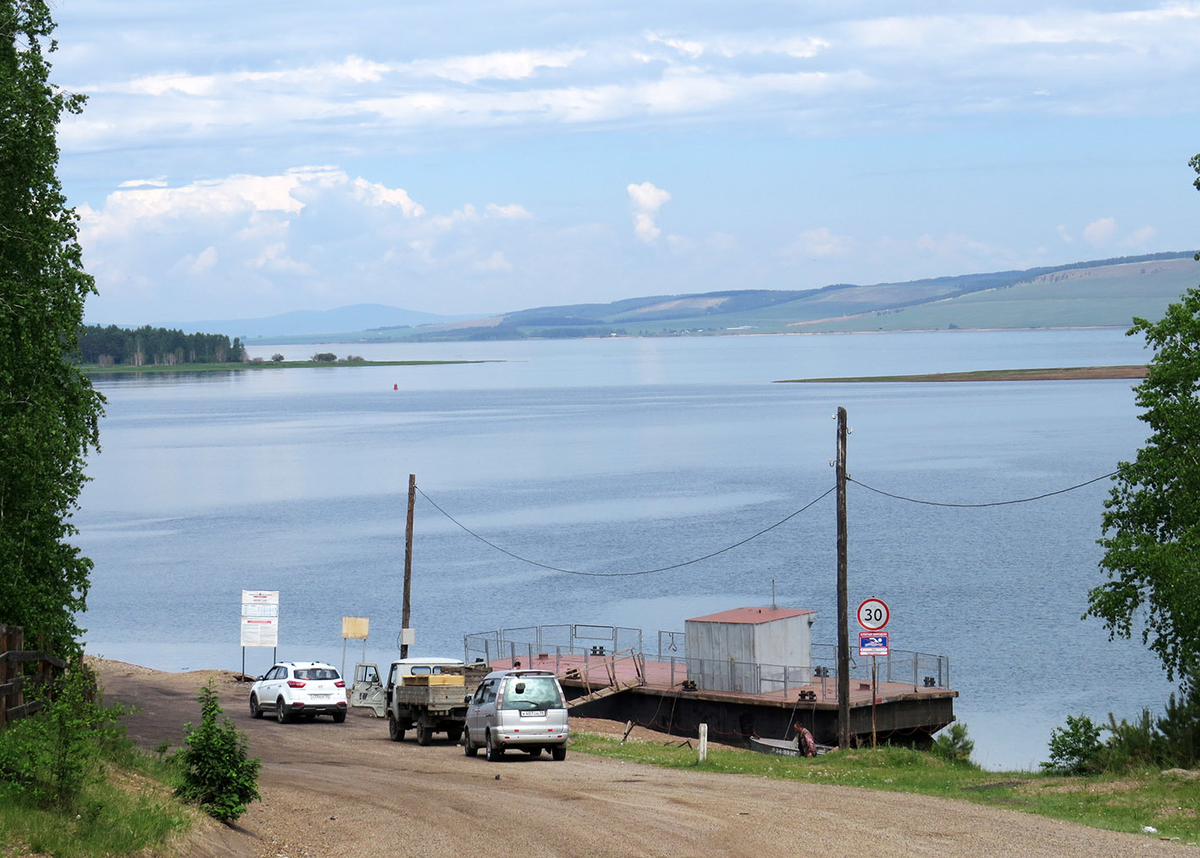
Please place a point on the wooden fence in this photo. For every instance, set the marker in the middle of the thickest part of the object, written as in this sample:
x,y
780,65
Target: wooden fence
x,y
20,667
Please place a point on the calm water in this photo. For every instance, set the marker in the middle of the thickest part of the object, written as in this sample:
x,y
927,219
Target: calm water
x,y
623,456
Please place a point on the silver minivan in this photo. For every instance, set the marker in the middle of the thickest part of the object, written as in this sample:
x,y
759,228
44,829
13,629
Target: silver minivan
x,y
522,709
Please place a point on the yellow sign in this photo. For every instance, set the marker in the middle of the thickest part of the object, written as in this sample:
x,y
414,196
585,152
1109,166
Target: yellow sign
x,y
355,627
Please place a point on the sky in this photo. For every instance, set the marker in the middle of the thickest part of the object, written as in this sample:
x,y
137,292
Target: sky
x,y
238,160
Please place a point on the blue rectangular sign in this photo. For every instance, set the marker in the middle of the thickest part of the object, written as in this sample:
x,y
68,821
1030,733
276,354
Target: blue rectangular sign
x,y
872,643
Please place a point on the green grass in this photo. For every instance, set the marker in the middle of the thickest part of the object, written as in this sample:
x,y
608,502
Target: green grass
x,y
1125,803
94,369
1131,371
131,811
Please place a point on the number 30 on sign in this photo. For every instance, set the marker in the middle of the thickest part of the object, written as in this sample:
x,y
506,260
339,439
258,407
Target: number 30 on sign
x,y
873,614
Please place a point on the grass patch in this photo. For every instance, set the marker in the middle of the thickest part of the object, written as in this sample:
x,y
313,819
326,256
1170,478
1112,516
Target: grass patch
x,y
1074,373
1127,803
131,811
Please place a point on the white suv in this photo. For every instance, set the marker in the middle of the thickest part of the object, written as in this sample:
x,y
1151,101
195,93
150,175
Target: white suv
x,y
308,688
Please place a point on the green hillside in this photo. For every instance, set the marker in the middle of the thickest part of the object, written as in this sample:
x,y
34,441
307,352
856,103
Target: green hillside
x,y
1103,293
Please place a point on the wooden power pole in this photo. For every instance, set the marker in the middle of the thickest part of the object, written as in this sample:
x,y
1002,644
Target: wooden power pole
x,y
843,654
406,610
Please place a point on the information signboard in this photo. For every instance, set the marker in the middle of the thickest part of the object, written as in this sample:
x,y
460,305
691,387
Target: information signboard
x,y
872,643
260,618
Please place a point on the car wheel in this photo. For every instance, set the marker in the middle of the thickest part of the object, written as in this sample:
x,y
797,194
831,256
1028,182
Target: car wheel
x,y
558,753
395,731
339,717
255,712
281,713
491,749
424,735
469,747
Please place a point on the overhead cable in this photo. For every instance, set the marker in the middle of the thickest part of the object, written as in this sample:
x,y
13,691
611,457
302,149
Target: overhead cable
x,y
540,565
980,505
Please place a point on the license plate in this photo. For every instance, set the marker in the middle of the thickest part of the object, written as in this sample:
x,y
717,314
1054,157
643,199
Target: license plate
x,y
320,696
533,713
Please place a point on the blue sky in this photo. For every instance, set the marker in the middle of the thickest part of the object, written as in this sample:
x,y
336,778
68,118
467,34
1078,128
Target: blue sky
x,y
241,160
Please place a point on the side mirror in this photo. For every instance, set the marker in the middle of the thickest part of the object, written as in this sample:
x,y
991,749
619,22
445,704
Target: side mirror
x,y
467,700
258,679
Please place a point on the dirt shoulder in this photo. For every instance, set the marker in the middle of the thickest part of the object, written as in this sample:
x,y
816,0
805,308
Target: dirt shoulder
x,y
332,790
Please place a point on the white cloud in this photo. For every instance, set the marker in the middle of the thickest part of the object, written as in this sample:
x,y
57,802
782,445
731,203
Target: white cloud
x,y
500,65
380,195
304,237
509,212
820,242
206,260
1100,232
495,262
646,200
1140,236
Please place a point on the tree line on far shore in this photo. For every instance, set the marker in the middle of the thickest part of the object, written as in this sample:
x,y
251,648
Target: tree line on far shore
x,y
147,345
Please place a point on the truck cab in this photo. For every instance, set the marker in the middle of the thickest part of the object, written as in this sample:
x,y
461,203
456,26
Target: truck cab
x,y
427,695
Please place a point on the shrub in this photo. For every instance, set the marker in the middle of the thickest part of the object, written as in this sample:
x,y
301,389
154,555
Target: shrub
x,y
953,745
277,357
218,774
51,755
1131,745
1075,748
324,357
1179,727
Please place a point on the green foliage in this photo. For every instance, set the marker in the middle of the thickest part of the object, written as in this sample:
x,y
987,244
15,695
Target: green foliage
x,y
218,774
277,358
106,818
324,357
48,410
1170,741
1179,727
1075,748
1131,746
1152,516
150,346
50,756
952,744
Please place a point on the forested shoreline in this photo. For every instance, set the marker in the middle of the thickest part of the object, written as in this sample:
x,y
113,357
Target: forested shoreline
x,y
150,346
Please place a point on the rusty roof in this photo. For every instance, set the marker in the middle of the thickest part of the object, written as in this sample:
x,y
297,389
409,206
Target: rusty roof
x,y
751,615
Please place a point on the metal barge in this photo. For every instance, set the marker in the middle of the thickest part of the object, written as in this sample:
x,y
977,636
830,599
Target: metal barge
x,y
607,673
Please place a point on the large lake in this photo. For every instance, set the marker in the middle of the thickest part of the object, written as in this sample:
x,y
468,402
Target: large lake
x,y
624,455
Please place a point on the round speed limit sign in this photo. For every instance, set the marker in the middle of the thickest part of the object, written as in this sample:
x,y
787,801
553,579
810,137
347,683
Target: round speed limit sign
x,y
873,614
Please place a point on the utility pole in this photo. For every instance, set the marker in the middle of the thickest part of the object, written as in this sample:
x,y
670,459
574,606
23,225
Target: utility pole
x,y
843,654
408,542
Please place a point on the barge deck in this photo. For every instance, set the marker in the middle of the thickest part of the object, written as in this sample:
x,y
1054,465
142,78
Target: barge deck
x,y
628,685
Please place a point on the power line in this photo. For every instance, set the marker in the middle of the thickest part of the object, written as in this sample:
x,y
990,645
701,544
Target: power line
x,y
981,505
540,565
753,536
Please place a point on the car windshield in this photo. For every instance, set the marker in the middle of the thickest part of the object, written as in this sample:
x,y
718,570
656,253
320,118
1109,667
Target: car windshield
x,y
317,673
531,692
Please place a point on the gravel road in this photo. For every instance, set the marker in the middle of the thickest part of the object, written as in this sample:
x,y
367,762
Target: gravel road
x,y
332,790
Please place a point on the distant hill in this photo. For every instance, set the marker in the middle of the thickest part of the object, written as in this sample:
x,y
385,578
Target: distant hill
x,y
1101,293
307,323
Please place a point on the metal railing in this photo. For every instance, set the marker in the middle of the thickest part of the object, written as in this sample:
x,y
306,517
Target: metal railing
x,y
598,644
530,642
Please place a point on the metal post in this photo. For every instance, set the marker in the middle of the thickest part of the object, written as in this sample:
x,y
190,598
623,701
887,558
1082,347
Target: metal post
x,y
874,696
842,599
406,608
